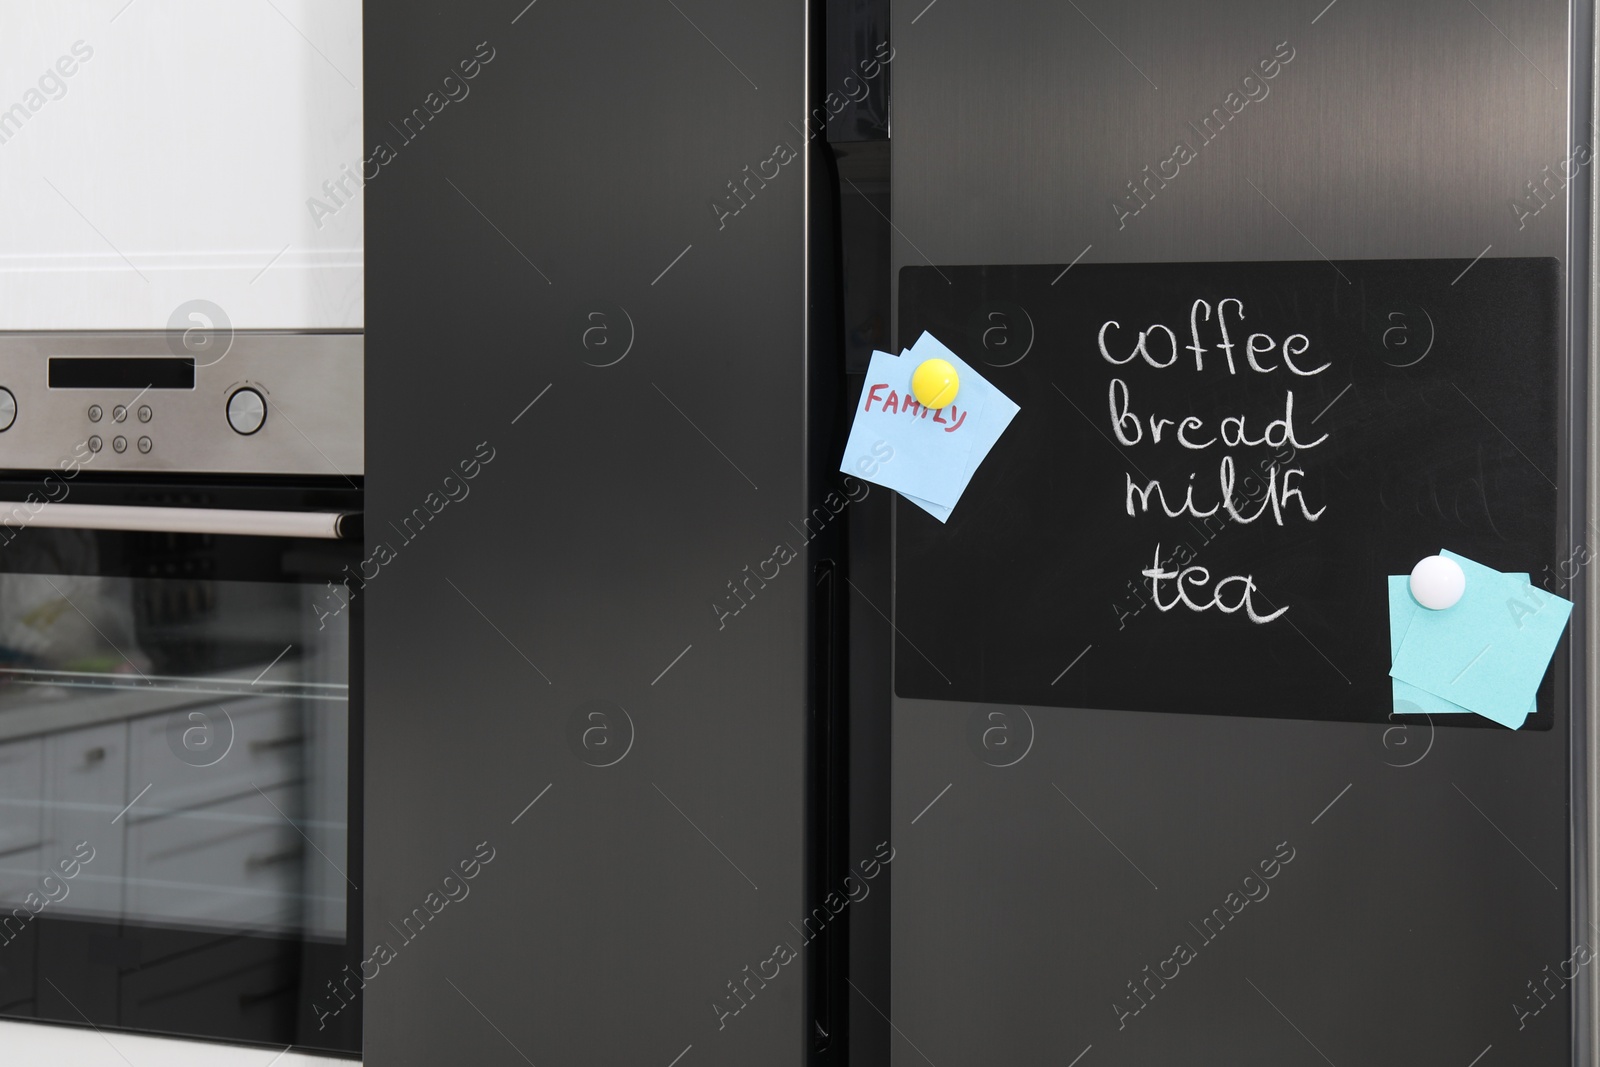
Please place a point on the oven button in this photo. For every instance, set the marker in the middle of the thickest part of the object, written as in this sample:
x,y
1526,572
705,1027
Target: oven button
x,y
95,414
144,444
95,444
119,414
119,443
8,410
247,410
145,413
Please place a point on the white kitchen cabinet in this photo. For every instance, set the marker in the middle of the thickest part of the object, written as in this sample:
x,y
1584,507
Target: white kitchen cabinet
x,y
266,748
85,787
237,864
21,774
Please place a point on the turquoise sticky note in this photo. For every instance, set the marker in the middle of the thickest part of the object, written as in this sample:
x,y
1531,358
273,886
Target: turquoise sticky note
x,y
1408,699
1489,652
993,412
896,442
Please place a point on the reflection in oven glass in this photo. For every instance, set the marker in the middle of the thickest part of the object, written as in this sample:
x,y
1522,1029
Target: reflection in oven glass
x,y
172,750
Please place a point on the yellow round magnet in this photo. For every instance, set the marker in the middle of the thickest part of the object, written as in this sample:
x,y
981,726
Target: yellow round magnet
x,y
935,383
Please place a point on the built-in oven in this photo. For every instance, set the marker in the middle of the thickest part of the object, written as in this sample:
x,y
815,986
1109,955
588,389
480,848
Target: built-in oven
x,y
180,684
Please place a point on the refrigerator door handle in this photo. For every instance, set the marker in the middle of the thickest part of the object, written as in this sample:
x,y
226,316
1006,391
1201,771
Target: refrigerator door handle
x,y
327,525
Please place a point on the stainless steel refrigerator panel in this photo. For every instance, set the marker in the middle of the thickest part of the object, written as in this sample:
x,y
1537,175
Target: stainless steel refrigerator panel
x,y
587,395
1394,131
1034,897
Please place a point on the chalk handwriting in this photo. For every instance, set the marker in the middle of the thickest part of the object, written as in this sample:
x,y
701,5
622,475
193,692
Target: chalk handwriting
x,y
1214,346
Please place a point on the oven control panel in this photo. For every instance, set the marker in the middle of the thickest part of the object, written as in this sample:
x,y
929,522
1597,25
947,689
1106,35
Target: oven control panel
x,y
270,402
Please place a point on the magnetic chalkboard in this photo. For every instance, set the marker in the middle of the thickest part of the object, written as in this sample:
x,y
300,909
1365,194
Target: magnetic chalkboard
x,y
1357,415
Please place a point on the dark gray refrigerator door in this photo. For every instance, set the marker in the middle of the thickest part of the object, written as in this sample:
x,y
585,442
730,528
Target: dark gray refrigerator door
x,y
587,589
1423,909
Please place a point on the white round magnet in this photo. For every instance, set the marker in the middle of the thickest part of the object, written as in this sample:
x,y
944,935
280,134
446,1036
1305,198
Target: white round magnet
x,y
1437,582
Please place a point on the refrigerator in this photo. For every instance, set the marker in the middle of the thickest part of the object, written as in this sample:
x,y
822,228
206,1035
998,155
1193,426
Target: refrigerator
x,y
752,759
1103,898
595,348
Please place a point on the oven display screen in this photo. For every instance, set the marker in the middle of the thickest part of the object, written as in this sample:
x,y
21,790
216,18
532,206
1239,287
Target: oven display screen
x,y
121,372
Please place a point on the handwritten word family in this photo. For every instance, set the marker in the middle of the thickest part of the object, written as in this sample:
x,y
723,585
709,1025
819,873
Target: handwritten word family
x,y
1158,348
894,404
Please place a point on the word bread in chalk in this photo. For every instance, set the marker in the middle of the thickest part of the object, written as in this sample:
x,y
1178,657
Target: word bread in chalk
x,y
1258,346
1197,577
1130,430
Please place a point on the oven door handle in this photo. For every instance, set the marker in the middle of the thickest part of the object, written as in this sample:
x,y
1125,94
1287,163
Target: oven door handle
x,y
328,525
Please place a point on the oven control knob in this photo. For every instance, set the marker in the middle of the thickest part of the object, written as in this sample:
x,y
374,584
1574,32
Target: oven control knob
x,y
8,410
247,410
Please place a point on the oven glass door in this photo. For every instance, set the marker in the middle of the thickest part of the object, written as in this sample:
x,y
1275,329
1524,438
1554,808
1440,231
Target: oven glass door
x,y
179,839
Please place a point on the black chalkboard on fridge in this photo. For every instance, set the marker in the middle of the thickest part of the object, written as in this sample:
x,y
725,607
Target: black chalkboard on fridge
x,y
1214,468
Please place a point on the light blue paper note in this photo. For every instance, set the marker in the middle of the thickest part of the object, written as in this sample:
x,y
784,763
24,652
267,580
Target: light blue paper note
x,y
1408,699
898,443
938,511
994,414
1489,652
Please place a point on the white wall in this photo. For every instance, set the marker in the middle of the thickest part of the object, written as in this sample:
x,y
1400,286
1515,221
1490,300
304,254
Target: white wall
x,y
191,140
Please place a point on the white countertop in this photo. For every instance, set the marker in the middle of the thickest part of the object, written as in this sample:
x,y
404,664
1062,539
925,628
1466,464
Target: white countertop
x,y
82,1047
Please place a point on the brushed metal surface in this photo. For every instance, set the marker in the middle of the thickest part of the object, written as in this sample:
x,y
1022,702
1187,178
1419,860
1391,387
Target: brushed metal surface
x,y
312,383
1584,248
46,515
550,288
1430,878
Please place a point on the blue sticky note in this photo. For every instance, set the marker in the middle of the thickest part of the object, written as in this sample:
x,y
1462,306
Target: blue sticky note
x,y
938,511
993,411
1408,699
896,442
1489,652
